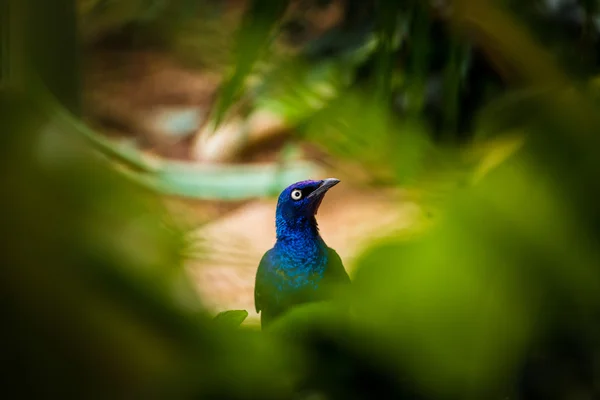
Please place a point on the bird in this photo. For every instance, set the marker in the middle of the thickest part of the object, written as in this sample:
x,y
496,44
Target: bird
x,y
300,268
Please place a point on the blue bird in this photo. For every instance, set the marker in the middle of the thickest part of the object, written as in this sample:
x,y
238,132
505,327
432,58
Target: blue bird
x,y
300,267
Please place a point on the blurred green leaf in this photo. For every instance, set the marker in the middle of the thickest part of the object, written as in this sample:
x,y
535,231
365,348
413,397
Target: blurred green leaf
x,y
460,304
253,36
363,132
420,58
390,22
453,78
95,269
507,43
498,294
231,318
296,89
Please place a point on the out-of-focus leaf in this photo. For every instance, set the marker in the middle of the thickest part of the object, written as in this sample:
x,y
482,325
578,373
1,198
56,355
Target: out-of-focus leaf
x,y
254,34
231,318
101,17
184,179
497,152
507,43
388,34
354,129
453,77
92,265
460,304
420,59
342,359
360,131
5,42
97,302
299,319
49,43
295,89
508,112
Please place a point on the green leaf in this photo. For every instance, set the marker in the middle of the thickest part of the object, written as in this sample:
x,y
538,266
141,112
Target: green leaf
x,y
453,76
388,29
49,44
420,59
252,38
225,182
300,319
231,318
295,89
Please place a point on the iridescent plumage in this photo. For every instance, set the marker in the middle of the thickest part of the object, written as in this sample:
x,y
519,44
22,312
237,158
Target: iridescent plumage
x,y
300,267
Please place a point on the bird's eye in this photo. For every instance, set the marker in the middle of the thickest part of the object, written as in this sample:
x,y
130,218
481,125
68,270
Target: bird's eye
x,y
296,194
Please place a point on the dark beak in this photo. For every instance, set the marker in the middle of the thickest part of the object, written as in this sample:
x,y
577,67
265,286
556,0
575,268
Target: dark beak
x,y
323,188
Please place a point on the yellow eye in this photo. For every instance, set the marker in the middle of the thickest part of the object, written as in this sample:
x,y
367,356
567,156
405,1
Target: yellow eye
x,y
296,194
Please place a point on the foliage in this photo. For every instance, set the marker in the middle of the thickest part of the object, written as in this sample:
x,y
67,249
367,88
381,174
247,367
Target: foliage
x,y
498,298
96,301
431,65
231,318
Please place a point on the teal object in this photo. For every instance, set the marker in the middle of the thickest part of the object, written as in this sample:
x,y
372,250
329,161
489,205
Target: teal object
x,y
206,182
223,182
179,123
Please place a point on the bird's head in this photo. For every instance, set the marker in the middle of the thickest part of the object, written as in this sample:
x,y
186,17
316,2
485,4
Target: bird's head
x,y
301,200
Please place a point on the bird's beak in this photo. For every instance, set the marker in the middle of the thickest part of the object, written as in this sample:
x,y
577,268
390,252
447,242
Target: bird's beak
x,y
318,194
324,187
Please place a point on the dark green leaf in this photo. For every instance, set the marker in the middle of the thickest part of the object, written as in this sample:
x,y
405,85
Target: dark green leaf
x,y
231,318
389,18
53,47
252,39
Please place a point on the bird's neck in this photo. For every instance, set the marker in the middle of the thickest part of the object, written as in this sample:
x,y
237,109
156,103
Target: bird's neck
x,y
304,228
300,239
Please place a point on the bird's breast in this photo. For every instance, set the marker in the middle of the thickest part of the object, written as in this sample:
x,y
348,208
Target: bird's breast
x,y
294,272
299,269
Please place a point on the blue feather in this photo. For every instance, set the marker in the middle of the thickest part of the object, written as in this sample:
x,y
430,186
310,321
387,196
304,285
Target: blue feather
x,y
300,267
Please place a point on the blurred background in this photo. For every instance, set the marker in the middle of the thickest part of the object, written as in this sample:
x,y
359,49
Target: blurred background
x,y
144,143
